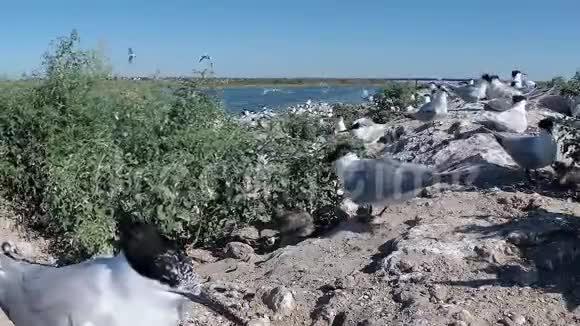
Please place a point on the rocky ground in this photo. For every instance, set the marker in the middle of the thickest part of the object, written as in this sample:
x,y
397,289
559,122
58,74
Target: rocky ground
x,y
501,251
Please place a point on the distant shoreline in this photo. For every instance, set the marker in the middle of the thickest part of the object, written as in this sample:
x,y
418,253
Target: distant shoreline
x,y
301,82
292,84
276,82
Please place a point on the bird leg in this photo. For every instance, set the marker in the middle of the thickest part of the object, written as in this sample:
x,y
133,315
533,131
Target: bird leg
x,y
382,211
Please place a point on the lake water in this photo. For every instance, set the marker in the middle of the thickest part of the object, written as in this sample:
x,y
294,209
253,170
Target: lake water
x,y
255,98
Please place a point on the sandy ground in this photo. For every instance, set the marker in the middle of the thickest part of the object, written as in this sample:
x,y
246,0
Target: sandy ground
x,y
454,259
27,244
451,260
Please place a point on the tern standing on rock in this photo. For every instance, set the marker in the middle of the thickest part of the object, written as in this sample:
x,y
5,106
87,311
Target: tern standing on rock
x,y
531,152
433,110
148,283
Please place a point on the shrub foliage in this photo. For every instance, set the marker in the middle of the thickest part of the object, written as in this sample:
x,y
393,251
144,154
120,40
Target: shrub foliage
x,y
76,151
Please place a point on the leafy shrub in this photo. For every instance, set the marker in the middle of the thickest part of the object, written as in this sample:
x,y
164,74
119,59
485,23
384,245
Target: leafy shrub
x,y
570,128
392,99
298,176
78,150
572,86
397,94
558,81
76,153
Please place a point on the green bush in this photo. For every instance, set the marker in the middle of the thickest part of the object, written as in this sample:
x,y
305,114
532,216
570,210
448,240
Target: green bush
x,y
554,82
78,150
572,86
76,153
298,176
394,98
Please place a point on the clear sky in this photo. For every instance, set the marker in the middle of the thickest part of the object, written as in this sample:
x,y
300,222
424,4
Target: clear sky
x,y
314,38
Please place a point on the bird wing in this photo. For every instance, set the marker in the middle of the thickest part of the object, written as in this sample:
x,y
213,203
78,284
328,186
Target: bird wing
x,y
69,295
528,151
423,115
510,91
378,181
498,105
509,120
502,90
427,107
467,93
556,103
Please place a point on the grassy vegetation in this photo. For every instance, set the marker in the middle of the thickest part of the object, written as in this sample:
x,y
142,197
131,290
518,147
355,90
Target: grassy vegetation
x,y
572,86
232,83
77,154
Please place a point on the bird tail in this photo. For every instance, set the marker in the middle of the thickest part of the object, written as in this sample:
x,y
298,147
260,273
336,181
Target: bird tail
x,y
498,137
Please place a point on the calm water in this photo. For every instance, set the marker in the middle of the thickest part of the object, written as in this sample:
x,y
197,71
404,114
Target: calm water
x,y
250,98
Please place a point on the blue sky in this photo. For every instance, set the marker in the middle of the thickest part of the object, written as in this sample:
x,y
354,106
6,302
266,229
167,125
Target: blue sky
x,y
315,38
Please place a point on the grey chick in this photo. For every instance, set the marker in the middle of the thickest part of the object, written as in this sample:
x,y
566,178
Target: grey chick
x,y
293,225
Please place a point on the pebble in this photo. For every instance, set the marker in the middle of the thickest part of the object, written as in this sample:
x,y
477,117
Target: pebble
x,y
259,322
280,300
519,320
464,315
458,323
